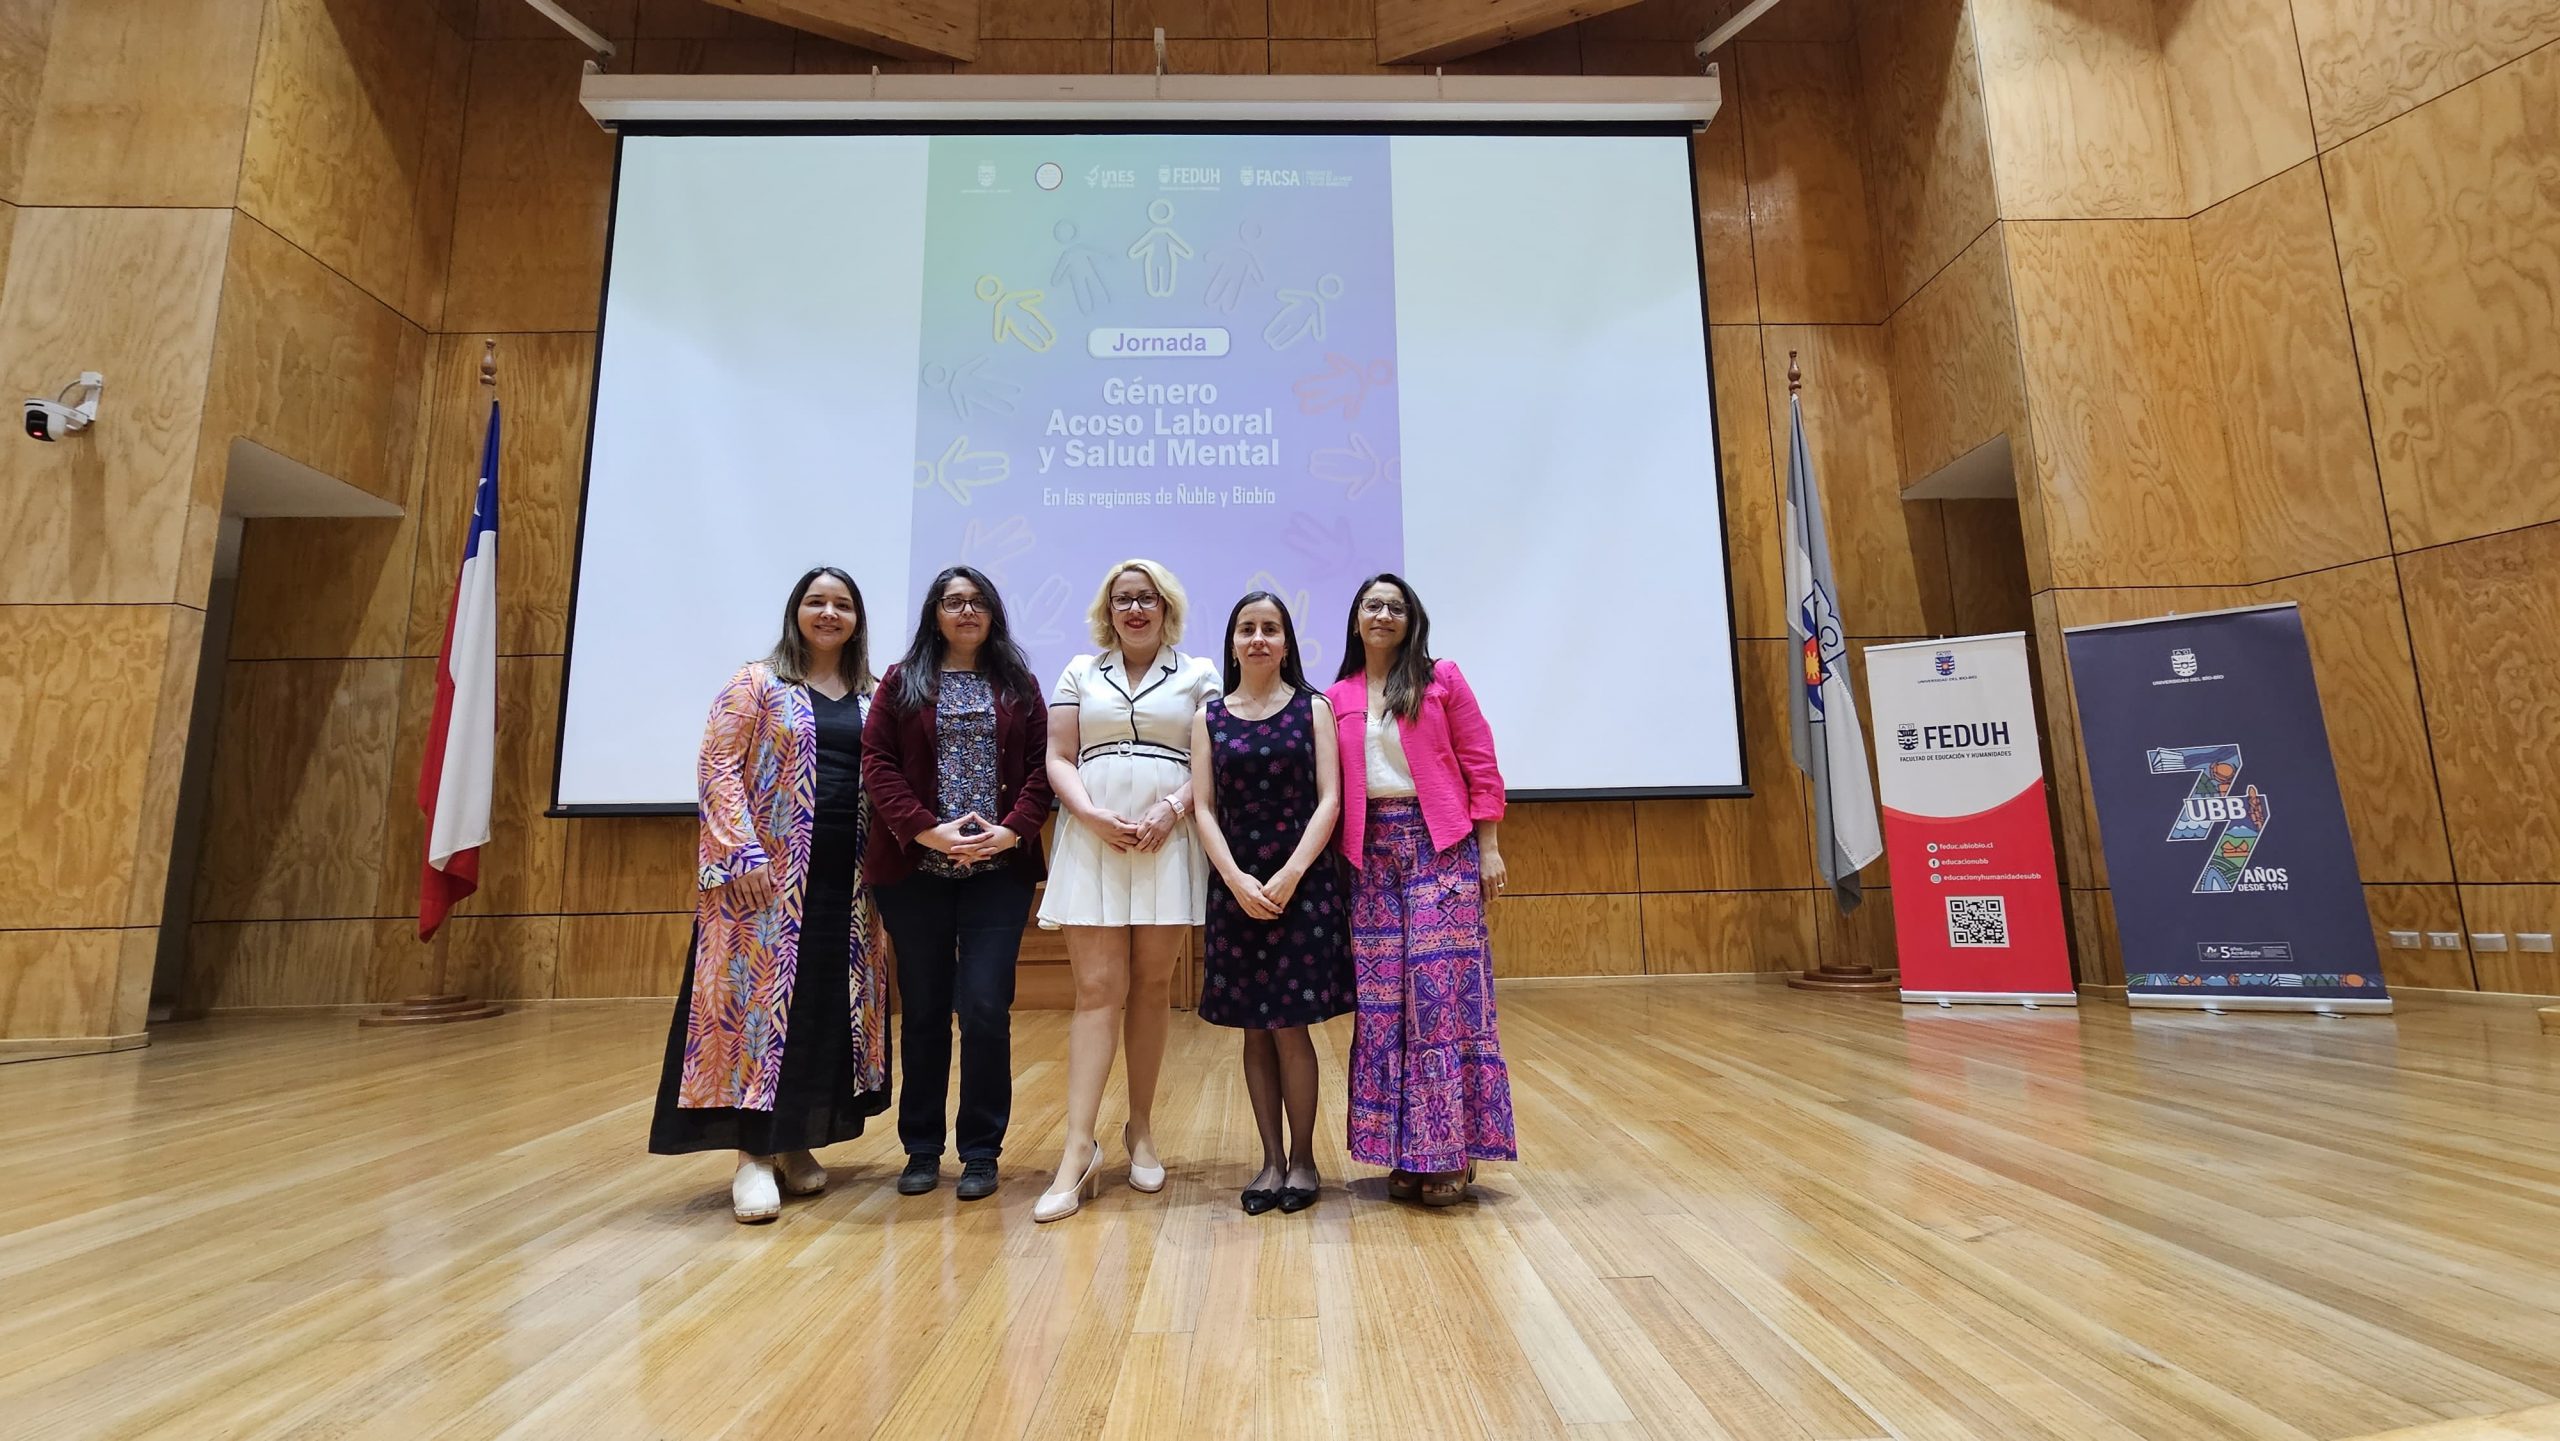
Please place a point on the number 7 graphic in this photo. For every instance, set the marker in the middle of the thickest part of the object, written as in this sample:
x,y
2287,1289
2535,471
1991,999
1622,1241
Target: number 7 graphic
x,y
2211,808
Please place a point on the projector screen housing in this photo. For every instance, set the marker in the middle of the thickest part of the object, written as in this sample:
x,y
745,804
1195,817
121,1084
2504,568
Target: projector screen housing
x,y
758,282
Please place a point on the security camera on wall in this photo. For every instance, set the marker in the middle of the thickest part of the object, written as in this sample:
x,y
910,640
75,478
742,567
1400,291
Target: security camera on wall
x,y
53,419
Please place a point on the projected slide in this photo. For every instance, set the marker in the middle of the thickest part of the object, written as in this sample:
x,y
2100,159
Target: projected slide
x,y
1270,361
1191,360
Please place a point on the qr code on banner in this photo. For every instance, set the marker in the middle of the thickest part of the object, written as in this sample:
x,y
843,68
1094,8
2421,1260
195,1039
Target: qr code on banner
x,y
1977,921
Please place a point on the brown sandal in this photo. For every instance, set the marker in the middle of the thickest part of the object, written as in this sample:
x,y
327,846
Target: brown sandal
x,y
1449,1192
1403,1186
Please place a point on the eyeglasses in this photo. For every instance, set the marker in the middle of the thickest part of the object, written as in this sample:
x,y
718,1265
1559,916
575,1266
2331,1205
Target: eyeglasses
x,y
965,604
1391,609
1147,601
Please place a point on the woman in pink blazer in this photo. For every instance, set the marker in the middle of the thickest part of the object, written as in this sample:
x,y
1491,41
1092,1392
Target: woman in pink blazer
x,y
1421,804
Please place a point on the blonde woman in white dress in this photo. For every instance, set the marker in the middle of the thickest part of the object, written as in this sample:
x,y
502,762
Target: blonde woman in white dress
x,y
1126,880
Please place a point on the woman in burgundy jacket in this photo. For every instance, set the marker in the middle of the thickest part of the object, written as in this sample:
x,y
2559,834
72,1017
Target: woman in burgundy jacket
x,y
954,765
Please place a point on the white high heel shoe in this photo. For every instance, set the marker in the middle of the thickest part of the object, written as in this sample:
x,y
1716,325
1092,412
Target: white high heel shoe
x,y
801,1173
753,1196
1059,1205
1148,1179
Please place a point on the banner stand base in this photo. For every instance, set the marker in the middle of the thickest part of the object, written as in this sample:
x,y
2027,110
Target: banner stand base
x,y
2380,1007
2027,1000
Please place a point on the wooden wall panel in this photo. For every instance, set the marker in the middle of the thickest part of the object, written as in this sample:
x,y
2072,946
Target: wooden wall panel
x,y
636,955
1928,145
164,766
286,963
1567,936
145,103
2420,909
543,384
59,983
643,863
294,823
1426,32
1802,145
921,29
2234,77
1045,57
1724,214
2366,61
25,30
1326,57
2484,620
2128,430
344,119
1193,57
311,589
1722,932
2510,909
514,20
1194,19
1749,844
2377,734
77,733
1751,487
1864,937
2301,460
1987,567
2077,100
522,868
2074,842
1956,376
2098,957
503,958
1570,847
8,232
1889,556
103,520
2448,224
535,189
311,367
1091,19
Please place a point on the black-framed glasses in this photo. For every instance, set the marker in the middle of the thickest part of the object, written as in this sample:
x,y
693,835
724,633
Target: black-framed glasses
x,y
1391,609
1147,600
966,604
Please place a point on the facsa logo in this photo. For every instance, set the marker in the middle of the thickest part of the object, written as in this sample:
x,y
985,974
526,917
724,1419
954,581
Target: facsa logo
x,y
1907,737
2182,661
1945,662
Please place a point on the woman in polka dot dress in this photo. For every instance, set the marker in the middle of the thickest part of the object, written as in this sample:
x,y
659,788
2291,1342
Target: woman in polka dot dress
x,y
1268,787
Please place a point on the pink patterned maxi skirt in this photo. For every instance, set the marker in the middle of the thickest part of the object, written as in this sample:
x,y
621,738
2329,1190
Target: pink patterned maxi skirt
x,y
1429,1091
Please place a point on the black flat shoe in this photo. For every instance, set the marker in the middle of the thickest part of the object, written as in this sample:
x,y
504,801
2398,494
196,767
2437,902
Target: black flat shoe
x,y
1255,1202
922,1174
1294,1199
977,1180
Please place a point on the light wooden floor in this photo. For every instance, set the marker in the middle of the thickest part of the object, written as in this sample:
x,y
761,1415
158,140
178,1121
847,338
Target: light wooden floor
x,y
1745,1212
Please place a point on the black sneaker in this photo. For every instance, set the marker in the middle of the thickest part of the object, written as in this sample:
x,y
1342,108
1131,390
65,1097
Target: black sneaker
x,y
922,1174
977,1180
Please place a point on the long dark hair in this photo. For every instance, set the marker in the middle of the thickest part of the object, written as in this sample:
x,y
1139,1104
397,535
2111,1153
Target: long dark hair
x,y
1291,670
1412,669
999,659
790,659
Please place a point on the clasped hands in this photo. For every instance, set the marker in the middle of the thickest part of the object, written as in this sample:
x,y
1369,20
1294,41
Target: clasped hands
x,y
1147,834
1264,900
956,839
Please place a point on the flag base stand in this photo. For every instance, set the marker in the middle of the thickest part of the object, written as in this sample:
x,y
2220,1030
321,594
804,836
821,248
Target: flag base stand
x,y
432,1011
1846,978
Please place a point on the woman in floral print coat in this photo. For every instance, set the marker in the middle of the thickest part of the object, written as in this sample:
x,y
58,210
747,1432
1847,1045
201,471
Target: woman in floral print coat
x,y
778,1044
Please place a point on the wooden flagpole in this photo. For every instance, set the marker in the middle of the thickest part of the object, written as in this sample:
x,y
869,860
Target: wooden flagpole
x,y
440,1006
1826,976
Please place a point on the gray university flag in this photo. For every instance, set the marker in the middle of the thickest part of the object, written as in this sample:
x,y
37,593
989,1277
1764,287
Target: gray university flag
x,y
1830,746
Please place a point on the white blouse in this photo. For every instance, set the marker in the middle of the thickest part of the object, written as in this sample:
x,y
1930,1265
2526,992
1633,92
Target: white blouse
x,y
1387,776
1148,715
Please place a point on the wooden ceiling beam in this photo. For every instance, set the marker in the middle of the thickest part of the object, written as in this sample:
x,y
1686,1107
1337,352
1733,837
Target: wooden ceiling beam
x,y
916,29
1424,31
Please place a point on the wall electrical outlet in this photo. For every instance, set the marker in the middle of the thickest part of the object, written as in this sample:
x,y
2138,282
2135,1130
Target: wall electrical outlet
x,y
2444,940
2488,940
2534,941
2404,940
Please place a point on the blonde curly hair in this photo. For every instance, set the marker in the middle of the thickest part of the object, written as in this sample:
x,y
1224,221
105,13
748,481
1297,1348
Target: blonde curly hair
x,y
1176,602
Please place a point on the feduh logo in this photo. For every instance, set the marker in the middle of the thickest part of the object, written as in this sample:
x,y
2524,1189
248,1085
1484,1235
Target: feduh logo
x,y
2231,825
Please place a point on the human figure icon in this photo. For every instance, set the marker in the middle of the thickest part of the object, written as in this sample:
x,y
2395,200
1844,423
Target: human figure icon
x,y
1017,315
969,388
1234,268
1302,314
1160,252
1355,467
960,470
1079,268
1344,385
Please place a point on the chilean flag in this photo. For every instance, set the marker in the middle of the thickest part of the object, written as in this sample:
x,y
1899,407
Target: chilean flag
x,y
462,741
